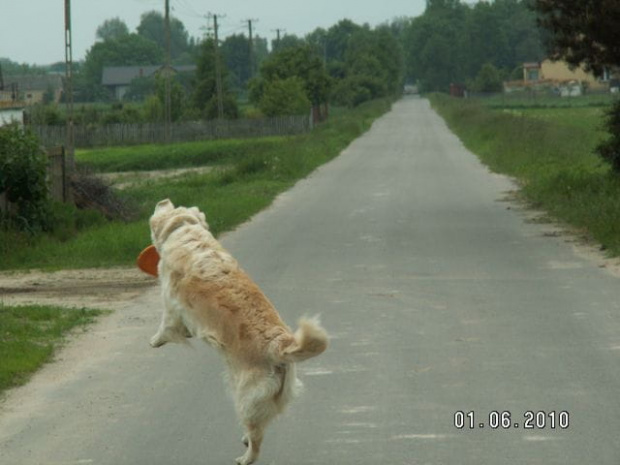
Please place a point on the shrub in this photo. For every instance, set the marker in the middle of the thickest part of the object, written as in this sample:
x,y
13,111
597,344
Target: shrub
x,y
610,149
23,178
357,89
284,97
488,79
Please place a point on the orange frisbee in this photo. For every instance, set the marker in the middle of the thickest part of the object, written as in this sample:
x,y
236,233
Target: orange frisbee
x,y
148,260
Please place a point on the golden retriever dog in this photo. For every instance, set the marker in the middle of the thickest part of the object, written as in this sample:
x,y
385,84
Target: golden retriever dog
x,y
207,295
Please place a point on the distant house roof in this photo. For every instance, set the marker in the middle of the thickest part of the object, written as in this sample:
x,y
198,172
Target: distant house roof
x,y
28,82
123,75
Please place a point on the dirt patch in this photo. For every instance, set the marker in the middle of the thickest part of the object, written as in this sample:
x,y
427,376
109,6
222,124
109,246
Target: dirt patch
x,y
125,179
94,288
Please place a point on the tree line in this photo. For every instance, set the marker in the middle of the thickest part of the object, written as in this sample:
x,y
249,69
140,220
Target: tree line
x,y
346,64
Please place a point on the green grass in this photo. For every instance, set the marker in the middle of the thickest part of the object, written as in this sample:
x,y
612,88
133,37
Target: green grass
x,y
538,100
254,173
583,117
30,335
552,155
185,155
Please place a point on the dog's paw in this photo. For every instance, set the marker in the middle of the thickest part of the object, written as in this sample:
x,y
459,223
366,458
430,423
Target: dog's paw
x,y
244,460
157,341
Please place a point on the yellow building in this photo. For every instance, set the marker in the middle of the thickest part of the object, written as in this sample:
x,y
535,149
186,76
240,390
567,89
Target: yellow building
x,y
560,72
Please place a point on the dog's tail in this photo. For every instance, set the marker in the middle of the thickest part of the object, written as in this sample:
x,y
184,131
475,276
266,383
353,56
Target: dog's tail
x,y
309,341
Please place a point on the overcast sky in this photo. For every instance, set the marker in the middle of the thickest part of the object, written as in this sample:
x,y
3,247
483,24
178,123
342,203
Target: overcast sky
x,y
32,31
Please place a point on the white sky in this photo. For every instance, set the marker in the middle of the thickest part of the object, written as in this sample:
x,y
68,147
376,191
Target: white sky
x,y
32,31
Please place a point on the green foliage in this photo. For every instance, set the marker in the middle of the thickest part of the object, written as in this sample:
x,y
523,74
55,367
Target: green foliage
x,y
177,96
372,68
112,29
125,50
205,90
610,149
236,52
22,178
284,97
45,115
452,40
488,80
301,62
152,28
582,31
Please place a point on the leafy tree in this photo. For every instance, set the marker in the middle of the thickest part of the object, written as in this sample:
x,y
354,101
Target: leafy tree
x,y
177,96
23,177
434,42
284,97
586,32
205,89
488,80
582,31
373,67
112,29
152,27
302,62
452,40
337,39
130,49
287,41
236,52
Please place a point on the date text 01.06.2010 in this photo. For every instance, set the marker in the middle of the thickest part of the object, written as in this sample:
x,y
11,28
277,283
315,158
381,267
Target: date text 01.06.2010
x,y
494,420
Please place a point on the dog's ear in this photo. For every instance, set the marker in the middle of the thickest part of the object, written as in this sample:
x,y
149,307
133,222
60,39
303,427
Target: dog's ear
x,y
200,215
164,205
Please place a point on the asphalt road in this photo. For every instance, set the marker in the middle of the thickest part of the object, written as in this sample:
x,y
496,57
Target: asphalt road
x,y
439,297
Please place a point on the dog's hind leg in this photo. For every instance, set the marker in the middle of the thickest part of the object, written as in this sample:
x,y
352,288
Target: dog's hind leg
x,y
253,439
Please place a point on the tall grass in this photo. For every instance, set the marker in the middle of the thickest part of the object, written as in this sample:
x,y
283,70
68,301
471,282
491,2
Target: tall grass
x,y
554,162
254,173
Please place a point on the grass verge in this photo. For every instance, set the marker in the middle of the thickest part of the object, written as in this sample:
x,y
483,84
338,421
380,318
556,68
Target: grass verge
x,y
30,335
247,177
553,160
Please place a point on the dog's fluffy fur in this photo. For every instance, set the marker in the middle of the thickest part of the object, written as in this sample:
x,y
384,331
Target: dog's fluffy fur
x,y
207,295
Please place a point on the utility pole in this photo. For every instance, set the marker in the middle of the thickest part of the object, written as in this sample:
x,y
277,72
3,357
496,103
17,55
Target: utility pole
x,y
70,139
251,48
278,37
167,71
218,71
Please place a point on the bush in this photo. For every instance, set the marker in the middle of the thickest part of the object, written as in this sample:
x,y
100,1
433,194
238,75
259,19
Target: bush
x,y
284,97
23,178
357,89
488,80
610,149
229,104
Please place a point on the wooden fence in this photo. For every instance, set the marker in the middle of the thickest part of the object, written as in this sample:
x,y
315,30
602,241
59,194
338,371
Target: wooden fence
x,y
133,134
57,180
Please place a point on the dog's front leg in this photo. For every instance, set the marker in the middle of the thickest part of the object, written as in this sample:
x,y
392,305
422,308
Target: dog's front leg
x,y
171,328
